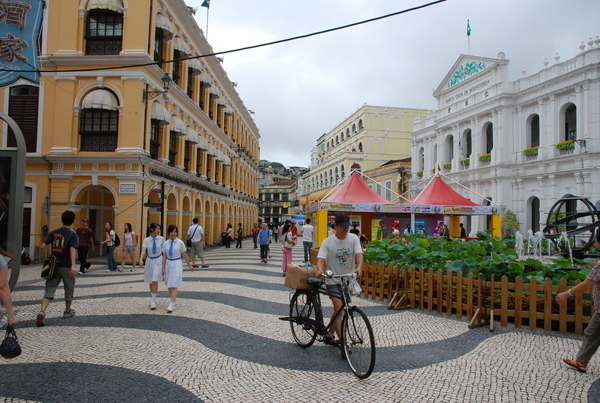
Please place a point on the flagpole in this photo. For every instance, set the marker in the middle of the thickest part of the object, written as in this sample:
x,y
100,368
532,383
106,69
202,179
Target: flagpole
x,y
207,11
469,36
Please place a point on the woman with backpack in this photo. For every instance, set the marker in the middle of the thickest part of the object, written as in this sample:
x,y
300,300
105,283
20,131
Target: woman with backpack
x,y
130,245
110,247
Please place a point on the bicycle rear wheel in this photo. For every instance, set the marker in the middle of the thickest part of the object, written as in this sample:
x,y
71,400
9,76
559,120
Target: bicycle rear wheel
x,y
302,318
358,342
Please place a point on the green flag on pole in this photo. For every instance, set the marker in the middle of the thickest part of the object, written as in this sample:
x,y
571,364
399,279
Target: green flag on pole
x,y
206,3
468,26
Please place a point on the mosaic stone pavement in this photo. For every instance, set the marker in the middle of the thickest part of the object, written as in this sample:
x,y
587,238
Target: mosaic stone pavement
x,y
224,343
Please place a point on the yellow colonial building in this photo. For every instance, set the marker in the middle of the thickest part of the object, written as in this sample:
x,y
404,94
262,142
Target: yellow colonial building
x,y
368,138
107,140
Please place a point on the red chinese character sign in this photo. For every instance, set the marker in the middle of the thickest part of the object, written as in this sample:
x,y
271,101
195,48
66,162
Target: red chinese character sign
x,y
20,23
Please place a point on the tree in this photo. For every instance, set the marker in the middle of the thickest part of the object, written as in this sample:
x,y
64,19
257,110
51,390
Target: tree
x,y
509,221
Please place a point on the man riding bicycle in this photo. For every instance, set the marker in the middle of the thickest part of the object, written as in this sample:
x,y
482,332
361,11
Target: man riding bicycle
x,y
343,255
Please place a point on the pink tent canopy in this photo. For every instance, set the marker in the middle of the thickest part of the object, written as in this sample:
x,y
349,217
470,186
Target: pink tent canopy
x,y
355,190
438,193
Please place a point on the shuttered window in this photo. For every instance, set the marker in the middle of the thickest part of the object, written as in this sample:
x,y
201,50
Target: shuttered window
x,y
23,108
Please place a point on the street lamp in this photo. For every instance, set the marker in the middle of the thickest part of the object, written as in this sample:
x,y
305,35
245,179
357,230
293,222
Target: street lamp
x,y
573,136
166,79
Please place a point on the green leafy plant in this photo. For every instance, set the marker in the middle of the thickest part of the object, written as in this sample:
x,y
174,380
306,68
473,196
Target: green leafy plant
x,y
531,151
565,144
420,173
466,161
486,255
448,165
485,157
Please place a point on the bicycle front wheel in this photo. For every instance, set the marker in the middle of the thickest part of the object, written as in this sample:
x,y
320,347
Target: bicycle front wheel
x,y
358,342
302,318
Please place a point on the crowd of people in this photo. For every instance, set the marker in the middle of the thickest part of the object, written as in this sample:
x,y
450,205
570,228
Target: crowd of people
x,y
162,260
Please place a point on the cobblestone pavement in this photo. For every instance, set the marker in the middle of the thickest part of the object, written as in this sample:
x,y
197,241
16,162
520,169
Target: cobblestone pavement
x,y
224,343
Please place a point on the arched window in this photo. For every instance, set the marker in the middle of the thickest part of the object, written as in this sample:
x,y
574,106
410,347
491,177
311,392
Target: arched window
x,y
104,30
360,125
337,140
421,159
360,147
570,121
337,175
99,121
449,148
533,131
342,169
354,128
534,214
466,145
342,136
489,138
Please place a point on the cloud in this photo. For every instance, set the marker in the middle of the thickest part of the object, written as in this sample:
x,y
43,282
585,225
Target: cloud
x,y
302,89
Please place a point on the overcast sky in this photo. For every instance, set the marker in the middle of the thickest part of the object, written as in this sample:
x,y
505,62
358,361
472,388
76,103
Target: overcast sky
x,y
302,89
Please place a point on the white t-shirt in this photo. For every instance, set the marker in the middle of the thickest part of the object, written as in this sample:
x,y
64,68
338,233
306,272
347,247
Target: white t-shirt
x,y
307,233
340,255
197,235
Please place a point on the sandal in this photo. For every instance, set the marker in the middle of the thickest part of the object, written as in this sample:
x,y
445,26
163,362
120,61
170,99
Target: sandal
x,y
576,364
205,266
330,341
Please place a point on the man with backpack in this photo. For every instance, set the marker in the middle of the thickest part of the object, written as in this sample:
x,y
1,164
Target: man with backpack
x,y
63,243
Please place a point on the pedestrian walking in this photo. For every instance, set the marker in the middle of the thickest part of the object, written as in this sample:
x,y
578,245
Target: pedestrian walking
x,y
130,240
307,239
149,257
264,238
288,240
86,244
239,236
172,266
196,235
63,243
110,247
591,335
5,295
255,231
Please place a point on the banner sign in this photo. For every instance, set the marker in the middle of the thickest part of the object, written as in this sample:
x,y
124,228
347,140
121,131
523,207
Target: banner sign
x,y
404,208
20,24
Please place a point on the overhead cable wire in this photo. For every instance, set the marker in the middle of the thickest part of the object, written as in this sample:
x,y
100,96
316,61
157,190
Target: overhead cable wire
x,y
240,49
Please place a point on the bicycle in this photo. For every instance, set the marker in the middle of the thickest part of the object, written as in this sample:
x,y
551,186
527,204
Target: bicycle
x,y
307,324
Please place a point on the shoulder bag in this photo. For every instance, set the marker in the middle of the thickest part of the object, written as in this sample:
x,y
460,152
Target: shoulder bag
x,y
50,265
188,243
10,348
287,244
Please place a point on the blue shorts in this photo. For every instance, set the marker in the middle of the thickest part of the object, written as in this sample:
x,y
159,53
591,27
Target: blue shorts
x,y
338,288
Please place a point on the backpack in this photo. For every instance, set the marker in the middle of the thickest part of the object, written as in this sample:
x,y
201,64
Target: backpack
x,y
117,241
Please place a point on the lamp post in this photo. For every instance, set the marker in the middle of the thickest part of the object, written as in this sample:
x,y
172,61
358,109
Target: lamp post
x,y
166,79
573,136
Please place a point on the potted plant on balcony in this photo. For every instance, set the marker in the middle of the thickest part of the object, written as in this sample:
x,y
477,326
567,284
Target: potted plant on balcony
x,y
531,150
420,174
485,157
563,145
448,165
466,162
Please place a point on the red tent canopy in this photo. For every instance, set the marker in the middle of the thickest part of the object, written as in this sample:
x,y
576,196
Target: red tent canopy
x,y
438,193
356,191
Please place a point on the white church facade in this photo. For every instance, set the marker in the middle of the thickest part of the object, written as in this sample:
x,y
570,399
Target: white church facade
x,y
523,144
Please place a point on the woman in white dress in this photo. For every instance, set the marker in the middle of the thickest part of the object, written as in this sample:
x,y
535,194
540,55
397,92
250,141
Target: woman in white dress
x,y
173,251
152,248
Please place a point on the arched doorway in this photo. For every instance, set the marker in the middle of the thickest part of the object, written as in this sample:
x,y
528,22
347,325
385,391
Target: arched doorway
x,y
96,204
